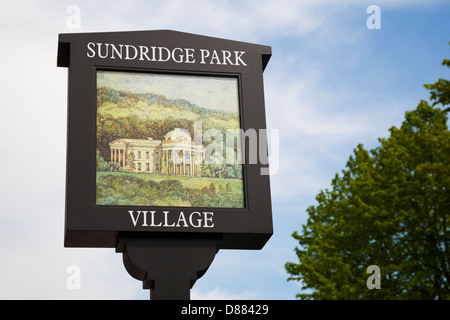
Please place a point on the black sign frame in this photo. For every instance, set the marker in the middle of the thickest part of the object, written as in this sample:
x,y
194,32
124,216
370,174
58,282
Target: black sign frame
x,y
89,225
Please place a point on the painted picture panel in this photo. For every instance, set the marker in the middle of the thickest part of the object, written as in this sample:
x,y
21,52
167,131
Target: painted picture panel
x,y
168,140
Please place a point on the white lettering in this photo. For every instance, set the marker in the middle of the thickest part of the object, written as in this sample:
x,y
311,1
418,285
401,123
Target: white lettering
x,y
166,224
143,52
214,151
74,20
182,218
204,54
180,56
91,47
274,151
153,220
161,54
238,55
154,53
208,218
199,221
100,50
135,220
215,56
226,57
374,21
198,310
114,49
127,52
74,279
195,219
190,56
374,281
145,219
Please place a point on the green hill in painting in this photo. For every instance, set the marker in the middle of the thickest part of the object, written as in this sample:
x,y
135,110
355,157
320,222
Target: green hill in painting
x,y
139,116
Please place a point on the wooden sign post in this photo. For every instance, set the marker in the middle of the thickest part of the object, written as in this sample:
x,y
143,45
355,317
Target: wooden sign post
x,y
167,151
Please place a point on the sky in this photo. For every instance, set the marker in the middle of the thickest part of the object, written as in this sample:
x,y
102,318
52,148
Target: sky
x,y
333,82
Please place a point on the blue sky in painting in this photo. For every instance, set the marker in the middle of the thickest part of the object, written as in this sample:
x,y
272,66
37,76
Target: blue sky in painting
x,y
216,93
331,83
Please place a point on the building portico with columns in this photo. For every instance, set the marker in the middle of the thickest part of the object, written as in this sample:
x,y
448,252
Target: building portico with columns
x,y
175,155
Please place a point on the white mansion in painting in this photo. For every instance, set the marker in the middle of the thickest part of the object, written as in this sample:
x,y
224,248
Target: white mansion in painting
x,y
175,155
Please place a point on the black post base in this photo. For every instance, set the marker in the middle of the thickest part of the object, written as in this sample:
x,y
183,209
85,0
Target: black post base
x,y
168,264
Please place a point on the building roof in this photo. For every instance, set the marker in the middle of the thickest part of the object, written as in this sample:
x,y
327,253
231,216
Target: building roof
x,y
178,134
136,142
177,138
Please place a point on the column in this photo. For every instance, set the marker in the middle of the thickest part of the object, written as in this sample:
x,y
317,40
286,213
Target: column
x,y
184,162
166,154
173,163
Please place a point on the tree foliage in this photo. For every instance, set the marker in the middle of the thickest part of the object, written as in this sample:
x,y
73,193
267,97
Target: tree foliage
x,y
390,207
133,189
440,90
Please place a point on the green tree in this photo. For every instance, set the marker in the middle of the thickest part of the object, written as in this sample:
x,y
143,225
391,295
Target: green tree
x,y
390,208
130,165
440,90
212,190
102,165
